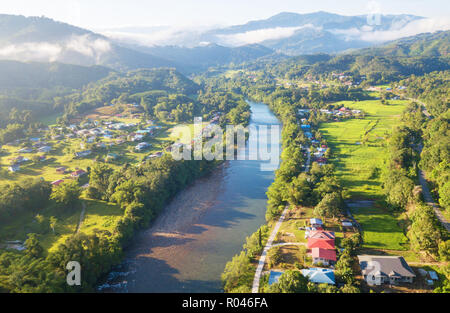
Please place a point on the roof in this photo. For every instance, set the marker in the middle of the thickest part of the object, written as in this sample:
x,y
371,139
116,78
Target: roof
x,y
274,276
321,234
57,182
319,275
316,221
326,254
386,265
79,172
320,243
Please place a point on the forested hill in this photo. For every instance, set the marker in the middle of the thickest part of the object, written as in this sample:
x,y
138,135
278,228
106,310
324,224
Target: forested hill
x,y
131,87
15,74
45,40
427,44
202,57
379,65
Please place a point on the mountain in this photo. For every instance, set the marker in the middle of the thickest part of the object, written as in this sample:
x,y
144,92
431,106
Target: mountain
x,y
208,55
427,44
296,34
395,60
45,40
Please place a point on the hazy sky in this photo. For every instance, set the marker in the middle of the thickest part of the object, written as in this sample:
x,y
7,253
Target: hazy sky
x,y
97,14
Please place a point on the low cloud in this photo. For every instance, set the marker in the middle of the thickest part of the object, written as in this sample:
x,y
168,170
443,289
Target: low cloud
x,y
51,52
396,31
261,35
158,36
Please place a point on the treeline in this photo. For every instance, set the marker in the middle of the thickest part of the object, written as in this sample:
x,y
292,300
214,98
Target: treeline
x,y
432,88
400,175
400,182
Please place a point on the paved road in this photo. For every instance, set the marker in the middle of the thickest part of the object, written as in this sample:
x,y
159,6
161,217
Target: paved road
x,y
262,259
289,244
429,201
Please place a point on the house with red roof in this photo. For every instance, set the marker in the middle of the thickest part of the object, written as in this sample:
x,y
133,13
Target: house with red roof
x,y
78,173
57,182
320,243
322,234
324,256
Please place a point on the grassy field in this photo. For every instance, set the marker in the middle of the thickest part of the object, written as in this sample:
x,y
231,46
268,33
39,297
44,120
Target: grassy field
x,y
98,215
359,145
381,229
360,153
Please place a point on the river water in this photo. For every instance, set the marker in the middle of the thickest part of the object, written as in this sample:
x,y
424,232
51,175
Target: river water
x,y
187,247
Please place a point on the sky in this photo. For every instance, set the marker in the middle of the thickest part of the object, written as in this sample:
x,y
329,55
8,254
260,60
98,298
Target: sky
x,y
104,14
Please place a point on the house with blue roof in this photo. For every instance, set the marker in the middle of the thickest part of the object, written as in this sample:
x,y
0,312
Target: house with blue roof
x,y
305,126
320,275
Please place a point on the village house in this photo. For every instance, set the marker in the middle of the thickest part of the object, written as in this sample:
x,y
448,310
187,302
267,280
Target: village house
x,y
378,270
324,256
61,170
82,154
57,182
14,168
316,222
346,223
322,234
320,275
320,243
19,159
142,146
78,173
25,150
45,149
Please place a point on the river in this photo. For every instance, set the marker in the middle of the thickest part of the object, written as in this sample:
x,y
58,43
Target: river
x,y
204,226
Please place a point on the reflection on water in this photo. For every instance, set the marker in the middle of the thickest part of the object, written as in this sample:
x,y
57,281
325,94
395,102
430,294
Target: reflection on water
x,y
188,246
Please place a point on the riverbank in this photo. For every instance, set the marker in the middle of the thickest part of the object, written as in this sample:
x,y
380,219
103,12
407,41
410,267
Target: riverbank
x,y
187,246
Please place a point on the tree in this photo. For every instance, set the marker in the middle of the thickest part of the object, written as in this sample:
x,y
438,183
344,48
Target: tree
x,y
348,288
53,221
34,249
424,234
290,281
275,256
444,250
329,206
67,193
238,272
99,180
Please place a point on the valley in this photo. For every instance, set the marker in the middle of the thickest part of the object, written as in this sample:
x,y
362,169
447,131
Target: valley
x,y
357,200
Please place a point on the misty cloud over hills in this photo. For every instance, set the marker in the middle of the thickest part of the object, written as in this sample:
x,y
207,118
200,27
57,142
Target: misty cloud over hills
x,y
45,40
